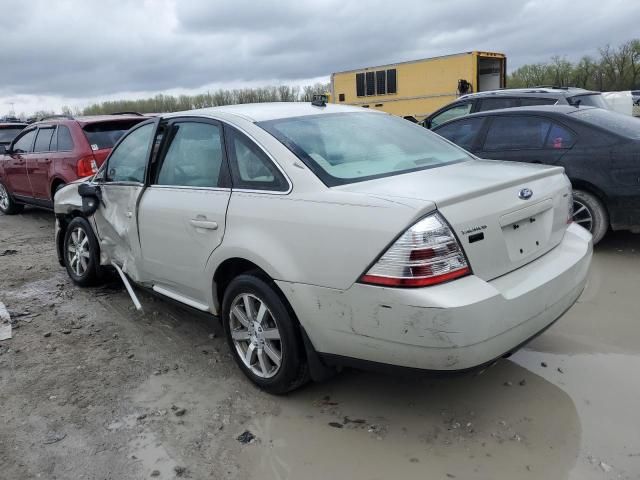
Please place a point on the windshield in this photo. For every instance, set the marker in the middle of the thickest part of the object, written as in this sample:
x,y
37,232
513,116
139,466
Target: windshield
x,y
615,122
588,100
8,134
106,134
344,148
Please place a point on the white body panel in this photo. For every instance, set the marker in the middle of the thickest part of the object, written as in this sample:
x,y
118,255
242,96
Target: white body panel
x,y
315,242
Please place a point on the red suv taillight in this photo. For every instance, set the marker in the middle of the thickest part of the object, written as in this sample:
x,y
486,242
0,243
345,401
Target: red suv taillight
x,y
86,166
426,254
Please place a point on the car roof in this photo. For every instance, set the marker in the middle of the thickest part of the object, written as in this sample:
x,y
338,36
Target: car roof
x,y
88,119
555,92
548,109
259,112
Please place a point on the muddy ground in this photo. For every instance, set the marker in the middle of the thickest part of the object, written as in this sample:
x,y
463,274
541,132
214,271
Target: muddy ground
x,y
91,389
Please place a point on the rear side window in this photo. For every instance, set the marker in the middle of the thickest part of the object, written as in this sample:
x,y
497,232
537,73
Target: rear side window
x,y
105,134
560,137
451,113
65,142
516,132
497,103
194,158
250,167
25,143
532,102
461,132
43,140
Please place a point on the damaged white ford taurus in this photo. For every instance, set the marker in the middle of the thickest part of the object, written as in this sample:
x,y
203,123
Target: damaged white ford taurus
x,y
327,235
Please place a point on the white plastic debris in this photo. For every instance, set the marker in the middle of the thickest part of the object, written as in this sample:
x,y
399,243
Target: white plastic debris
x,y
5,323
605,467
4,314
5,331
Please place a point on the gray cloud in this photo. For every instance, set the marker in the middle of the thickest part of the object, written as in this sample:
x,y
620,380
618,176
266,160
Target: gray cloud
x,y
84,49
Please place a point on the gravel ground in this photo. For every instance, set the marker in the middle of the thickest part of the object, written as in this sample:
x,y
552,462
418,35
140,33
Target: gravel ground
x,y
92,389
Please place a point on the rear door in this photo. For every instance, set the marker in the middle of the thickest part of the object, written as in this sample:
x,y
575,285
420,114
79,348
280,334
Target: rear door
x,y
183,211
121,182
39,163
525,138
16,166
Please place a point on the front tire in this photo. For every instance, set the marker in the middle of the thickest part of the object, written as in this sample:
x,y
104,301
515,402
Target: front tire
x,y
590,213
8,206
263,335
81,253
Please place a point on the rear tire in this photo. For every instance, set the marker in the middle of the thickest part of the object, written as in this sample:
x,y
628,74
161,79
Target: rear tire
x,y
8,205
590,213
263,335
81,253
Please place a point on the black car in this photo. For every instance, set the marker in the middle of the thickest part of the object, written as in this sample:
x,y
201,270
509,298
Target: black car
x,y
514,97
599,149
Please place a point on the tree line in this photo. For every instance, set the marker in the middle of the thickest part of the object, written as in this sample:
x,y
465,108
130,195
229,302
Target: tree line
x,y
614,69
162,103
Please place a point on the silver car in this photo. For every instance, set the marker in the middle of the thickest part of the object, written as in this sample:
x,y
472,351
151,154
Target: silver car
x,y
325,235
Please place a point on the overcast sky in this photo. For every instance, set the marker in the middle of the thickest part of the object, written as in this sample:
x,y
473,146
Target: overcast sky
x,y
75,52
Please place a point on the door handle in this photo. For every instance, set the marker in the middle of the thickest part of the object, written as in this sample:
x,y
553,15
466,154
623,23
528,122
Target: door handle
x,y
200,223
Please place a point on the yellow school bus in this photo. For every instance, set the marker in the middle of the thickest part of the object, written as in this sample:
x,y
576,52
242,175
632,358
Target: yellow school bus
x,y
419,87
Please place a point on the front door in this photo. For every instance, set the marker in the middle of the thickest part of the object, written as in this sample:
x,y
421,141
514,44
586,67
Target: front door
x,y
121,182
182,212
39,164
16,169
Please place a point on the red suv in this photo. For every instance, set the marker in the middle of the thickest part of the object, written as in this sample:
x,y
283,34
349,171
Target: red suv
x,y
53,152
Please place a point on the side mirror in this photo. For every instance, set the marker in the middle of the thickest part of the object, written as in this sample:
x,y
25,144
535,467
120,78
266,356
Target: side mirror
x,y
91,198
427,123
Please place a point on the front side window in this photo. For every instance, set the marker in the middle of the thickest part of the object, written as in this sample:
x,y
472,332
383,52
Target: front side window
x,y
462,132
344,148
24,144
43,140
251,168
450,114
128,161
194,158
517,132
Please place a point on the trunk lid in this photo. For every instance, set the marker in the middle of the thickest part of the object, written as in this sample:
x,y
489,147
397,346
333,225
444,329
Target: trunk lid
x,y
498,230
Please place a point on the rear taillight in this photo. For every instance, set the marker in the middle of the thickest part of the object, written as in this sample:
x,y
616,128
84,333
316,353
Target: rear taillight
x,y
86,166
426,254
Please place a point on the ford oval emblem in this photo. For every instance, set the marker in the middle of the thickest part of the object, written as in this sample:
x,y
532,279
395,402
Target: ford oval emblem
x,y
525,194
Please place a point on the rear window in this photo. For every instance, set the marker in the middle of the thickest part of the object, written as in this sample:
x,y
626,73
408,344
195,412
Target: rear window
x,y
343,148
589,100
615,122
105,134
8,134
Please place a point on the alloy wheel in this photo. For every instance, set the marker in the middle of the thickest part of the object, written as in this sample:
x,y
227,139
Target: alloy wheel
x,y
78,254
255,335
4,198
582,215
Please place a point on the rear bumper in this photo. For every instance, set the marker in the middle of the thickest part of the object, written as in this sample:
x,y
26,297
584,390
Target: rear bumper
x,y
453,326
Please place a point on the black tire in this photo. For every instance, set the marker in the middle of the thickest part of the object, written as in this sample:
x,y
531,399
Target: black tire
x,y
293,370
8,205
92,273
590,213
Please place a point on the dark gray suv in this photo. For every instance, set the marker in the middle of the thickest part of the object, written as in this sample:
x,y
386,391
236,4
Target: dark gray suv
x,y
514,97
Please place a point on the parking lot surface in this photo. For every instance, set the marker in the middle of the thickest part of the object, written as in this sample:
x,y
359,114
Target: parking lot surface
x,y
91,388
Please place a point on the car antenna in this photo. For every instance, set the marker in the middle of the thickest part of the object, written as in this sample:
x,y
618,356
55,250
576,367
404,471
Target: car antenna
x,y
319,100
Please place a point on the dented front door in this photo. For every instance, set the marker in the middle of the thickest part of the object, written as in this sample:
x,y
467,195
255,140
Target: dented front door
x,y
121,183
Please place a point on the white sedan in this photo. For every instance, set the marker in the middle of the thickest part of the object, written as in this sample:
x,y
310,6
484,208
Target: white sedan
x,y
325,235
